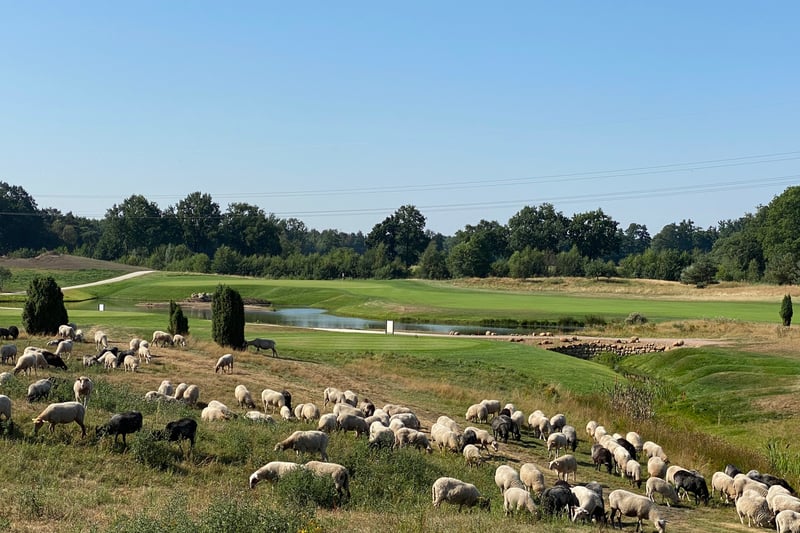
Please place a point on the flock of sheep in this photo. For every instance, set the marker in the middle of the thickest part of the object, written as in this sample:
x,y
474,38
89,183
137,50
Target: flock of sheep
x,y
763,500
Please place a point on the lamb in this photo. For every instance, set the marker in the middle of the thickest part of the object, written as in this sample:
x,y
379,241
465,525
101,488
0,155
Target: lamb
x,y
339,474
83,388
64,348
456,492
327,423
556,442
8,351
308,412
179,340
305,442
166,388
565,465
40,389
477,413
722,483
657,485
787,521
590,504
516,498
226,361
61,413
262,344
130,363
121,424
755,508
100,340
272,471
243,397
258,416
348,422
286,414
191,394
633,471
656,467
532,478
407,436
624,503
506,477
483,438
161,338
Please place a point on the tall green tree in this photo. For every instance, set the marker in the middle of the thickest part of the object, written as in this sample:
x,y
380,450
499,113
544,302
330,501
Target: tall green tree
x,y
248,230
402,234
44,308
135,226
21,222
199,218
540,228
433,263
227,317
786,310
594,234
780,229
178,323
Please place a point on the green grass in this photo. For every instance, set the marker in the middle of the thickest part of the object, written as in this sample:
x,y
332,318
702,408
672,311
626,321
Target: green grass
x,y
21,278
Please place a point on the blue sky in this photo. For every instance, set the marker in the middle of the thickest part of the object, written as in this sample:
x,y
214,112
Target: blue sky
x,y
338,113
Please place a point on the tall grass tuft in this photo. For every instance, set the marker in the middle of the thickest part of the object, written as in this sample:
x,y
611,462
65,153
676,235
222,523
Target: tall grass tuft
x,y
784,460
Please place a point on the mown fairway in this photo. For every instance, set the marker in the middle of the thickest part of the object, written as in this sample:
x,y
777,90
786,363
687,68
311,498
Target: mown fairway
x,y
713,405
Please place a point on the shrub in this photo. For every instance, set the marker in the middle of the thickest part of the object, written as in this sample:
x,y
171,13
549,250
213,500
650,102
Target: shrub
x,y
786,310
227,317
178,323
44,309
302,488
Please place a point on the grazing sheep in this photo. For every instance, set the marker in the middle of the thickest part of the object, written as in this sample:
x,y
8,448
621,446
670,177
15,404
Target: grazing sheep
x,y
634,439
787,521
135,343
633,471
339,474
180,430
411,437
211,414
599,433
601,456
130,363
783,502
506,477
5,409
557,422
166,388
179,340
109,360
64,348
66,331
191,394
657,485
272,471
332,395
327,423
100,340
40,389
394,409
351,398
477,413
556,442
532,478
61,413
8,351
722,483
286,414
258,416
83,388
348,422
161,338
590,504
5,377
262,344
770,480
516,498
180,390
274,400
572,437
558,499
502,426
456,492
409,420
155,396
121,424
755,508
656,467
492,406
624,503
483,438
449,423
380,436
367,407
628,446
590,427
565,465
774,491
449,440
305,442
226,361
308,413
379,416
472,455
651,449
143,351
692,484
346,408
25,363
243,397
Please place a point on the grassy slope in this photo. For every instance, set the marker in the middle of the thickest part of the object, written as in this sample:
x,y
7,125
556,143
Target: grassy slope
x,y
434,376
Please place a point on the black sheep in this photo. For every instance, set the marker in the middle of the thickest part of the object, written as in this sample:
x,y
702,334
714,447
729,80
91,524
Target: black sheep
x,y
628,446
121,424
558,499
178,430
693,484
54,360
601,456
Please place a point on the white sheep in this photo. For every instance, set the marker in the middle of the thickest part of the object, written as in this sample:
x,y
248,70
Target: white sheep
x,y
381,437
345,408
143,352
558,421
449,440
379,415
130,363
484,438
272,471
787,521
161,338
210,414
166,388
83,388
100,340
634,439
633,471
657,485
155,396
61,413
191,394
25,363
411,437
39,389
621,458
755,508
179,390
135,343
395,424
351,398
472,455
109,360
243,397
179,340
651,449
565,465
773,492
337,472
5,377
409,420
64,348
272,399
327,423
624,503
456,492
226,361
742,482
8,351
506,477
477,413
672,470
515,498
65,331
306,442
656,467
258,416
590,503
332,395
308,413
784,502
492,406
393,409
723,483
449,423
590,427
532,478
349,422
286,414
556,442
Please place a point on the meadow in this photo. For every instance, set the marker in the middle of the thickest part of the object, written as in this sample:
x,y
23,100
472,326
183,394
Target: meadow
x,y
730,400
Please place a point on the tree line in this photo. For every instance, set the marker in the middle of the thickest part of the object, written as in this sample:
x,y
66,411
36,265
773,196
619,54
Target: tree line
x,y
196,235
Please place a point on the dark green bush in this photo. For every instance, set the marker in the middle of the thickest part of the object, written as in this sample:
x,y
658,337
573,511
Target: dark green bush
x,y
302,489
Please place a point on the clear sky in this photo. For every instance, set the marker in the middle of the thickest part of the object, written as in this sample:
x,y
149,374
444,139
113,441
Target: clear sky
x,y
338,113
